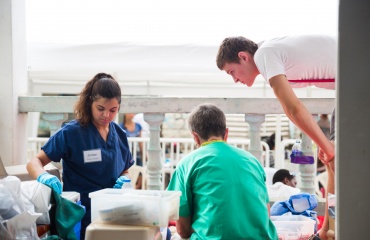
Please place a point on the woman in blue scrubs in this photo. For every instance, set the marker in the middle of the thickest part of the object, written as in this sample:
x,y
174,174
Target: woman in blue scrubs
x,y
94,149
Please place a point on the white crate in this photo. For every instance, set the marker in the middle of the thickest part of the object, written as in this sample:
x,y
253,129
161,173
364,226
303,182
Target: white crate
x,y
135,207
294,227
71,196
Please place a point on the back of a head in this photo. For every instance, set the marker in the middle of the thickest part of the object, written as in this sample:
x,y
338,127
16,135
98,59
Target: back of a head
x,y
207,120
230,47
280,175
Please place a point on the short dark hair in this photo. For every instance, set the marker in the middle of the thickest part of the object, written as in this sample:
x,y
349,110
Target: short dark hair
x,y
102,85
207,120
281,174
230,47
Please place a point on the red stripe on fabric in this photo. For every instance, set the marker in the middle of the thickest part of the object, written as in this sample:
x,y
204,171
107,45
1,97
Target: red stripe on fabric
x,y
312,80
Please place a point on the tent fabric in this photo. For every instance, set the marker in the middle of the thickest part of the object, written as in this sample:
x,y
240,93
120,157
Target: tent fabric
x,y
129,61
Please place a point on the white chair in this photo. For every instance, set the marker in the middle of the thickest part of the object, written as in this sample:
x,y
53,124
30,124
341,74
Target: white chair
x,y
322,178
269,174
134,172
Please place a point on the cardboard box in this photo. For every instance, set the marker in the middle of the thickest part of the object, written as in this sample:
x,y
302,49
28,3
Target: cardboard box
x,y
103,231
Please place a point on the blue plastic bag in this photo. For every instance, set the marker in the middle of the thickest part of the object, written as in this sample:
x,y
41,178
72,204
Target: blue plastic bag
x,y
304,203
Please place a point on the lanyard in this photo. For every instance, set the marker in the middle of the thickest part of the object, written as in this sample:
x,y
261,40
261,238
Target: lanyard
x,y
209,142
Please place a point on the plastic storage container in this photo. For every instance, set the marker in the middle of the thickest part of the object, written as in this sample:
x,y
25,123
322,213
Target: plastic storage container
x,y
294,227
135,207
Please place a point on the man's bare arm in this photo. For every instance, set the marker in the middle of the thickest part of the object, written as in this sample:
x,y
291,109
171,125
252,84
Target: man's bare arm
x,y
299,114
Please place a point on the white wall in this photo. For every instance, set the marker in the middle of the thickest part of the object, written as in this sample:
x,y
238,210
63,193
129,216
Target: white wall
x,y
13,81
352,119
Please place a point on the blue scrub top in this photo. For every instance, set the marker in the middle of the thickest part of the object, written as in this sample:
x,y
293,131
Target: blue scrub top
x,y
87,175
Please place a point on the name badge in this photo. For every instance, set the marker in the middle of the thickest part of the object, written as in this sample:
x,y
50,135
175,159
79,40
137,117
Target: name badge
x,y
92,156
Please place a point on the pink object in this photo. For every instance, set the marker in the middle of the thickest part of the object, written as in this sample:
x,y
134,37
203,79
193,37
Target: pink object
x,y
312,80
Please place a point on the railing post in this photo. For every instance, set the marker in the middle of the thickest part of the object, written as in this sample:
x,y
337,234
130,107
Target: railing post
x,y
307,170
255,121
154,164
55,120
277,152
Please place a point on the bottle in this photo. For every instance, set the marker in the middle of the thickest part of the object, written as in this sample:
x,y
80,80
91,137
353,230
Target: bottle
x,y
127,184
297,149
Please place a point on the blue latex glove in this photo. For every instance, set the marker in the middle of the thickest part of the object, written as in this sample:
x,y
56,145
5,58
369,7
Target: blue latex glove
x,y
51,181
120,181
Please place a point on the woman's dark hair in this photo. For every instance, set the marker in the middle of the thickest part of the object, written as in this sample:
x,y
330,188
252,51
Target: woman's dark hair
x,y
101,86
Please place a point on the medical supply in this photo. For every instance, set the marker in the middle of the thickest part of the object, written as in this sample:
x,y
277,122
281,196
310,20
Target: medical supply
x,y
135,207
296,227
121,181
127,184
297,149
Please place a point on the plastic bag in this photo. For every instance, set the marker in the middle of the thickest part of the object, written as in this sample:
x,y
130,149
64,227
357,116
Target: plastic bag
x,y
297,204
8,206
39,195
16,212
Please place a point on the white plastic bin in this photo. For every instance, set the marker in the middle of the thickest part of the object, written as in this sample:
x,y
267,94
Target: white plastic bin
x,y
135,207
71,196
294,227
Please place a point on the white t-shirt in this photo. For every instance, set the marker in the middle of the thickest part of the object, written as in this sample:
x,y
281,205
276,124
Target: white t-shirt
x,y
280,191
310,57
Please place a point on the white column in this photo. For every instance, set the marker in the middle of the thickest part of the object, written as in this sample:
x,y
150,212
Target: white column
x,y
13,82
255,121
352,118
277,151
307,171
155,163
55,120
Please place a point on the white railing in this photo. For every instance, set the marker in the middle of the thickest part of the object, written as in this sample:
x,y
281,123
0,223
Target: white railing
x,y
173,149
56,109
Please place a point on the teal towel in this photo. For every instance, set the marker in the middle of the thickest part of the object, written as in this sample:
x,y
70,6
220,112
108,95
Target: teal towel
x,y
67,215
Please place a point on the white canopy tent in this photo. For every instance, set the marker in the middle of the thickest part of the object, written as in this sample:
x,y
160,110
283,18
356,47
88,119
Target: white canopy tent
x,y
150,70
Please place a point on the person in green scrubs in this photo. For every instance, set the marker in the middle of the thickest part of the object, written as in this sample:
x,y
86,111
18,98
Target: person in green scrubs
x,y
224,195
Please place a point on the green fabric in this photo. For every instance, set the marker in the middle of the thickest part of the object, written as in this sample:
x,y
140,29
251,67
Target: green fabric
x,y
223,190
67,215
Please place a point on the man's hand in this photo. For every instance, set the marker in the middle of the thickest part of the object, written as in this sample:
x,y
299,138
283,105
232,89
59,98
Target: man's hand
x,y
329,162
324,234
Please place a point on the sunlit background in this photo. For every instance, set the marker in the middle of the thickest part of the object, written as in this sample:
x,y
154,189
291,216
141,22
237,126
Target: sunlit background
x,y
175,21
